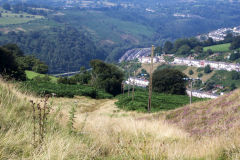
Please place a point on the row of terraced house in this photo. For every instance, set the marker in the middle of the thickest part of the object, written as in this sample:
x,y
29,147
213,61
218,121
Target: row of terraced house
x,y
203,63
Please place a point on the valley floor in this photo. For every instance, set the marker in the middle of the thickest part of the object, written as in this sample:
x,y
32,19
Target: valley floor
x,y
102,131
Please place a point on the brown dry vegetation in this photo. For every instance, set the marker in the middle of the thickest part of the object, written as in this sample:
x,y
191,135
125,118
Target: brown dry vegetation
x,y
102,131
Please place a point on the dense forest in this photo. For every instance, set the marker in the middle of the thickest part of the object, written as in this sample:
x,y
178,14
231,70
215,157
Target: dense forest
x,y
62,50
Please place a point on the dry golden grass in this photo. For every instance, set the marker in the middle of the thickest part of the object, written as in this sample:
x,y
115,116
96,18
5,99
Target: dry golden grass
x,y
102,132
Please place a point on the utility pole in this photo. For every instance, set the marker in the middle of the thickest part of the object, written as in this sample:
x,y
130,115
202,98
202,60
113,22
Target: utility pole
x,y
128,81
191,92
133,86
150,81
122,87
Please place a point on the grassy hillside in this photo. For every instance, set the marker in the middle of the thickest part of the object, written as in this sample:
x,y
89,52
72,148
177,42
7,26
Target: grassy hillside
x,y
102,131
211,117
99,23
219,47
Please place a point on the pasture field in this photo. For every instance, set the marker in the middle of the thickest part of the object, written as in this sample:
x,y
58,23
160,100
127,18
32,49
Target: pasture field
x,y
218,48
9,18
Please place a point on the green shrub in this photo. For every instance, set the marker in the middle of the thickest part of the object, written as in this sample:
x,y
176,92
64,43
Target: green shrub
x,y
63,90
207,69
39,78
159,101
200,69
190,72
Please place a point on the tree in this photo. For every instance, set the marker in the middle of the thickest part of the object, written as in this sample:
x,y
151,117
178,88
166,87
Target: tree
x,y
234,56
200,75
0,15
184,50
209,52
233,87
6,6
228,38
207,69
198,49
106,76
190,72
158,51
9,67
235,43
235,75
170,81
168,46
209,42
209,85
40,67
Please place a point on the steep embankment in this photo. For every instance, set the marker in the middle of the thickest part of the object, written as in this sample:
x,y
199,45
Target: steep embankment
x,y
102,131
211,117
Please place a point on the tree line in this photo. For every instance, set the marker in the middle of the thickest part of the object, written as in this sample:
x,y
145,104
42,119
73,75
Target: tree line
x,y
62,49
187,46
13,63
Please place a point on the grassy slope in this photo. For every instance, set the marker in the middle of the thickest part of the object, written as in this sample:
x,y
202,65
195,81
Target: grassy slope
x,y
104,132
224,78
211,117
31,75
218,48
10,18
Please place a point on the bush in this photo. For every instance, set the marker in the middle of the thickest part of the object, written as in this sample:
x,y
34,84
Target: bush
x,y
9,68
106,76
67,80
190,72
63,90
200,69
159,101
170,81
207,69
45,78
200,75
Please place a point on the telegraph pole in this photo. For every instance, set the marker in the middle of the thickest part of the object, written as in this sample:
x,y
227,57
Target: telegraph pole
x,y
133,86
150,81
191,92
128,81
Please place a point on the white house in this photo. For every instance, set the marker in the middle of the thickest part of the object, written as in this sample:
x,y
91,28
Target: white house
x,y
137,81
200,94
148,59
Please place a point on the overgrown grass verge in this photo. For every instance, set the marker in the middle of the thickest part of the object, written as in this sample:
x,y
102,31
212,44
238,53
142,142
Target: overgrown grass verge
x,y
97,135
159,101
63,90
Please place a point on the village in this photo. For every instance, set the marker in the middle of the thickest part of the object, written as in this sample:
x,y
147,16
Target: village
x,y
143,82
219,34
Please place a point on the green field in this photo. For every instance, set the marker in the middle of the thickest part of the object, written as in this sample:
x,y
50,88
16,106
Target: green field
x,y
9,18
30,75
159,101
219,48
